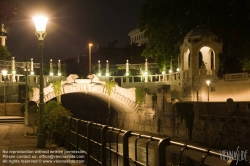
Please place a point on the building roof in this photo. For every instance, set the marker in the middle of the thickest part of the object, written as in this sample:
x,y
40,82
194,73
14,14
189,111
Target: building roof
x,y
200,30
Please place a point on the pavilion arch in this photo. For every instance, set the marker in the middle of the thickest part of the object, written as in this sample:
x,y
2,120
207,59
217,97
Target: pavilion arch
x,y
207,55
186,58
200,42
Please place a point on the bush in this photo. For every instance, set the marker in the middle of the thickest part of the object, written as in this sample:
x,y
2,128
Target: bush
x,y
32,107
140,95
55,125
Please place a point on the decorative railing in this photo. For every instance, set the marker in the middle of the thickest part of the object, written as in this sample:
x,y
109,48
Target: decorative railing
x,y
31,78
109,146
236,76
167,78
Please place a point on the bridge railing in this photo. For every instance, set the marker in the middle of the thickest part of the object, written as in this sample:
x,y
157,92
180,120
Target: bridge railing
x,y
109,146
20,78
173,77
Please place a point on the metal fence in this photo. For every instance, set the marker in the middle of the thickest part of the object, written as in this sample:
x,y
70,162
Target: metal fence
x,y
107,146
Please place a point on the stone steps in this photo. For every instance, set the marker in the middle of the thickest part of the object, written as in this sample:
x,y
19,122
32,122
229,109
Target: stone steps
x,y
11,119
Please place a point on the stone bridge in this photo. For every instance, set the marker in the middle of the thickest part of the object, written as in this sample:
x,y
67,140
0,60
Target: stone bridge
x,y
123,96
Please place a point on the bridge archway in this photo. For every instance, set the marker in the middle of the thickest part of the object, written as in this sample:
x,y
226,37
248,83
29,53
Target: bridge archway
x,y
90,107
123,107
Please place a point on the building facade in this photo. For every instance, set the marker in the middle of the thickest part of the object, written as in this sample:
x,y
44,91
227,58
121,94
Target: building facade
x,y
136,36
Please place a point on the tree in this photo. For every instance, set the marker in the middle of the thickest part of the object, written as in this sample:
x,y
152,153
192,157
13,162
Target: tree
x,y
166,22
4,53
54,121
8,9
134,52
118,56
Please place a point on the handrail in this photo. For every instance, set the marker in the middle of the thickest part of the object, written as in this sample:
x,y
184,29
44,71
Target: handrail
x,y
111,153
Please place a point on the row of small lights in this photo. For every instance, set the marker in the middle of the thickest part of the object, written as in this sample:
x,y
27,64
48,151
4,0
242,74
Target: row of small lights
x,y
99,74
4,73
145,73
51,74
170,71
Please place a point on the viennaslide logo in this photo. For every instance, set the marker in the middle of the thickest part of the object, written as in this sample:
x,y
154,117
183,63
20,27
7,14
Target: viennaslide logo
x,y
236,155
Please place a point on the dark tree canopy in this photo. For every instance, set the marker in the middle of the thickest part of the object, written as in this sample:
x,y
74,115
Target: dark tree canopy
x,y
166,22
8,9
4,53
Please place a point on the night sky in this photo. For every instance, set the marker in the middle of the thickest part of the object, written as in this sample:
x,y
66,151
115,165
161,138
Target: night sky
x,y
72,25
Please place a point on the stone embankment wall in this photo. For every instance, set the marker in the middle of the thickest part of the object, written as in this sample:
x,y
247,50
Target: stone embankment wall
x,y
224,124
159,118
12,109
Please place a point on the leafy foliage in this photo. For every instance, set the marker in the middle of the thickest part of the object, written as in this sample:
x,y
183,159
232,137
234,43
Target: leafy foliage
x,y
4,53
54,123
185,112
109,87
57,90
140,95
32,107
8,9
166,23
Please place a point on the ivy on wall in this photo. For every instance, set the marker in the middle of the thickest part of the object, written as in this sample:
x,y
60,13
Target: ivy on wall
x,y
185,112
109,86
57,90
140,95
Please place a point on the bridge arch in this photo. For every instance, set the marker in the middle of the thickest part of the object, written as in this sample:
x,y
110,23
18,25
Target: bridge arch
x,y
122,101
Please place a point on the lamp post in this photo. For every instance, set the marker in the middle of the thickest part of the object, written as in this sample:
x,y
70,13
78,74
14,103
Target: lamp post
x,y
90,45
107,68
99,68
40,23
26,70
208,82
4,73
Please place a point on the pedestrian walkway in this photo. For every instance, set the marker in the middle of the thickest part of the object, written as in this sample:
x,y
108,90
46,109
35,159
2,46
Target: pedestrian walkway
x,y
16,149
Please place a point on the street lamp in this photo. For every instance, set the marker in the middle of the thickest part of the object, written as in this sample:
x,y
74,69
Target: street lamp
x,y
4,73
40,23
90,45
26,70
99,68
208,82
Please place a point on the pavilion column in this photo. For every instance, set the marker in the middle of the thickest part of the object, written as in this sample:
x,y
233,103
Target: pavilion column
x,y
59,68
107,68
146,70
13,69
127,72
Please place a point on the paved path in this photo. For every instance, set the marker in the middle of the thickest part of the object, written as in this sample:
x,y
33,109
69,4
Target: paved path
x,y
12,139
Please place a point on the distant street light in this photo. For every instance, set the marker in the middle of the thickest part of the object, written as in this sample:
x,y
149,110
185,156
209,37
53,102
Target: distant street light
x,y
40,23
4,73
26,70
208,82
90,45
